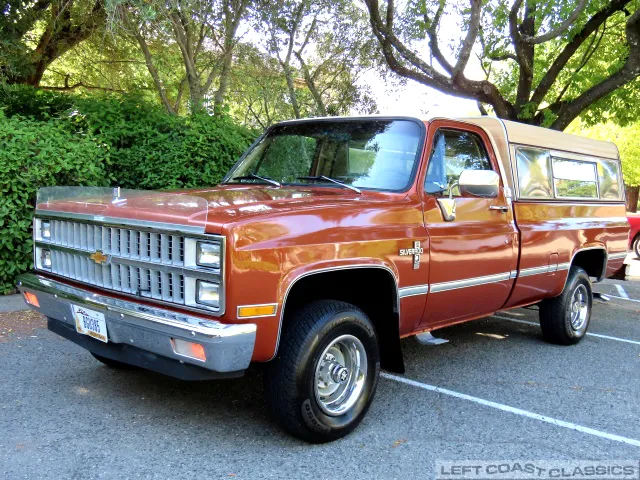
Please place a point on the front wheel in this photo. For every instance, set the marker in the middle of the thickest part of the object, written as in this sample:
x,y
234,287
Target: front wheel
x,y
565,319
636,245
324,378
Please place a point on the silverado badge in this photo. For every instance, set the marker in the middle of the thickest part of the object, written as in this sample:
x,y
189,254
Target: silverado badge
x,y
99,257
416,251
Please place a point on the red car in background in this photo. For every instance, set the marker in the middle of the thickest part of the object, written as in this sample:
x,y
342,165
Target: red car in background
x,y
634,234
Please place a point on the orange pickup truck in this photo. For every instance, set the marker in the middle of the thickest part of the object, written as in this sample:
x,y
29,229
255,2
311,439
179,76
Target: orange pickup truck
x,y
329,241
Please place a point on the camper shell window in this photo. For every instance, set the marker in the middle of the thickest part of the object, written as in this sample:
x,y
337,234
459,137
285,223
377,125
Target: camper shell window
x,y
548,175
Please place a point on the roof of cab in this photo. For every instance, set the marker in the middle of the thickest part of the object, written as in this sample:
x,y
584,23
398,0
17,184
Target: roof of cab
x,y
512,132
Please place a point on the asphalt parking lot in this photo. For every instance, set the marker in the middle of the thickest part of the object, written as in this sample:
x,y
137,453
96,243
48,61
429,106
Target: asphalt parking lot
x,y
495,391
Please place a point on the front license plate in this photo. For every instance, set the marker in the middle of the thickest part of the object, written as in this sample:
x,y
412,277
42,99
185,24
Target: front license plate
x,y
90,322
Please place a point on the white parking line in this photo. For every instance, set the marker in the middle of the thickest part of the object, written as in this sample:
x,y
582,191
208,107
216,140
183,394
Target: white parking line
x,y
516,411
622,298
621,291
598,335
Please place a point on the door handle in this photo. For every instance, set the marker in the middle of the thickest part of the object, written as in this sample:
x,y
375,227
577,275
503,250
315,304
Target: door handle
x,y
500,208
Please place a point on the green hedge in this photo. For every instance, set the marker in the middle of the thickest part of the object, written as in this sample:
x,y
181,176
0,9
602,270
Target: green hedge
x,y
34,154
49,138
153,150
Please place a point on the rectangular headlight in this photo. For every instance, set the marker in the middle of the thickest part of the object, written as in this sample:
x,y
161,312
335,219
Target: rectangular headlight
x,y
45,258
208,293
208,254
45,229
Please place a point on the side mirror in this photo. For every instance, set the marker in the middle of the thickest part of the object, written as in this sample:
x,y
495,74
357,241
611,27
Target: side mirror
x,y
479,183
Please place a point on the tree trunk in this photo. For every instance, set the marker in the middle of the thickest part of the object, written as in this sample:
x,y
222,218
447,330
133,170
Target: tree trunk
x,y
37,68
234,12
632,198
292,91
317,97
148,58
62,33
225,78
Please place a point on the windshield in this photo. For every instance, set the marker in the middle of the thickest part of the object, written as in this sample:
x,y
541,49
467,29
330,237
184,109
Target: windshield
x,y
369,154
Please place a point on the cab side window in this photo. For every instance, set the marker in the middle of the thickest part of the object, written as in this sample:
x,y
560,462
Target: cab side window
x,y
454,151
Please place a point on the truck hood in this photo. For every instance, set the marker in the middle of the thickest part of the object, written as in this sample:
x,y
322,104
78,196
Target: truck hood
x,y
206,210
229,204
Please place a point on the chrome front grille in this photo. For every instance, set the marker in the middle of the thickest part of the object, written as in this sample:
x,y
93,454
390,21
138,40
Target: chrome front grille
x,y
162,248
145,282
135,260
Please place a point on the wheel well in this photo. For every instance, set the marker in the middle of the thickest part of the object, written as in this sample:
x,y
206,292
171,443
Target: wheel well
x,y
374,290
592,261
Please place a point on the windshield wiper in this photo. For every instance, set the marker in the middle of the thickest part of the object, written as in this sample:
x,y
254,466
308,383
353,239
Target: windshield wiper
x,y
253,176
332,180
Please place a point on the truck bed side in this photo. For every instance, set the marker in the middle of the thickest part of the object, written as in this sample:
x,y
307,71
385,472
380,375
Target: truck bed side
x,y
552,234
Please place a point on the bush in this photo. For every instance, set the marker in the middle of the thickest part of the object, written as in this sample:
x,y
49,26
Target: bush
x,y
153,150
35,154
34,104
49,138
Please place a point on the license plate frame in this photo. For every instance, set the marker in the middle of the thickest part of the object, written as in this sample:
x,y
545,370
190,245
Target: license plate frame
x,y
91,323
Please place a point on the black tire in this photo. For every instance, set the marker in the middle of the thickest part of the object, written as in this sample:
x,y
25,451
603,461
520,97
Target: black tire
x,y
636,245
291,385
556,313
113,363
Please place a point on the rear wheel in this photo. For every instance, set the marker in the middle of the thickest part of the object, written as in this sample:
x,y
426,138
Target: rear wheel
x,y
565,319
324,378
636,245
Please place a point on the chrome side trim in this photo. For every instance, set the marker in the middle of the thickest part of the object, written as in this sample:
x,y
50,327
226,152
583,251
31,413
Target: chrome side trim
x,y
527,272
414,290
617,256
117,221
470,282
275,311
331,269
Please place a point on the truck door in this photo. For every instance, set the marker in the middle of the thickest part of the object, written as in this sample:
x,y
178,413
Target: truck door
x,y
473,254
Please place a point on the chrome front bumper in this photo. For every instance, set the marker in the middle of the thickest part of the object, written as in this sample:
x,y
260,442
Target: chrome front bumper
x,y
228,347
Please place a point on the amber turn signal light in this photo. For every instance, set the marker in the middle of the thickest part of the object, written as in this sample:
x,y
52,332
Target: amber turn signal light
x,y
31,299
257,311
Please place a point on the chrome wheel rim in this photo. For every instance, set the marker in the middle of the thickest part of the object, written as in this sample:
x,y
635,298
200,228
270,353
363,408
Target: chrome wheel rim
x,y
579,307
341,374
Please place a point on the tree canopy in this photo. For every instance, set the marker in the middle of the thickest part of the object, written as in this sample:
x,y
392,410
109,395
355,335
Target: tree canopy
x,y
261,61
626,138
543,63
34,34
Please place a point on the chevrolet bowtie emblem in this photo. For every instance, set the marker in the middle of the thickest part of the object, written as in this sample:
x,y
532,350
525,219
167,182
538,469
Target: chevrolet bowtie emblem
x,y
98,257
